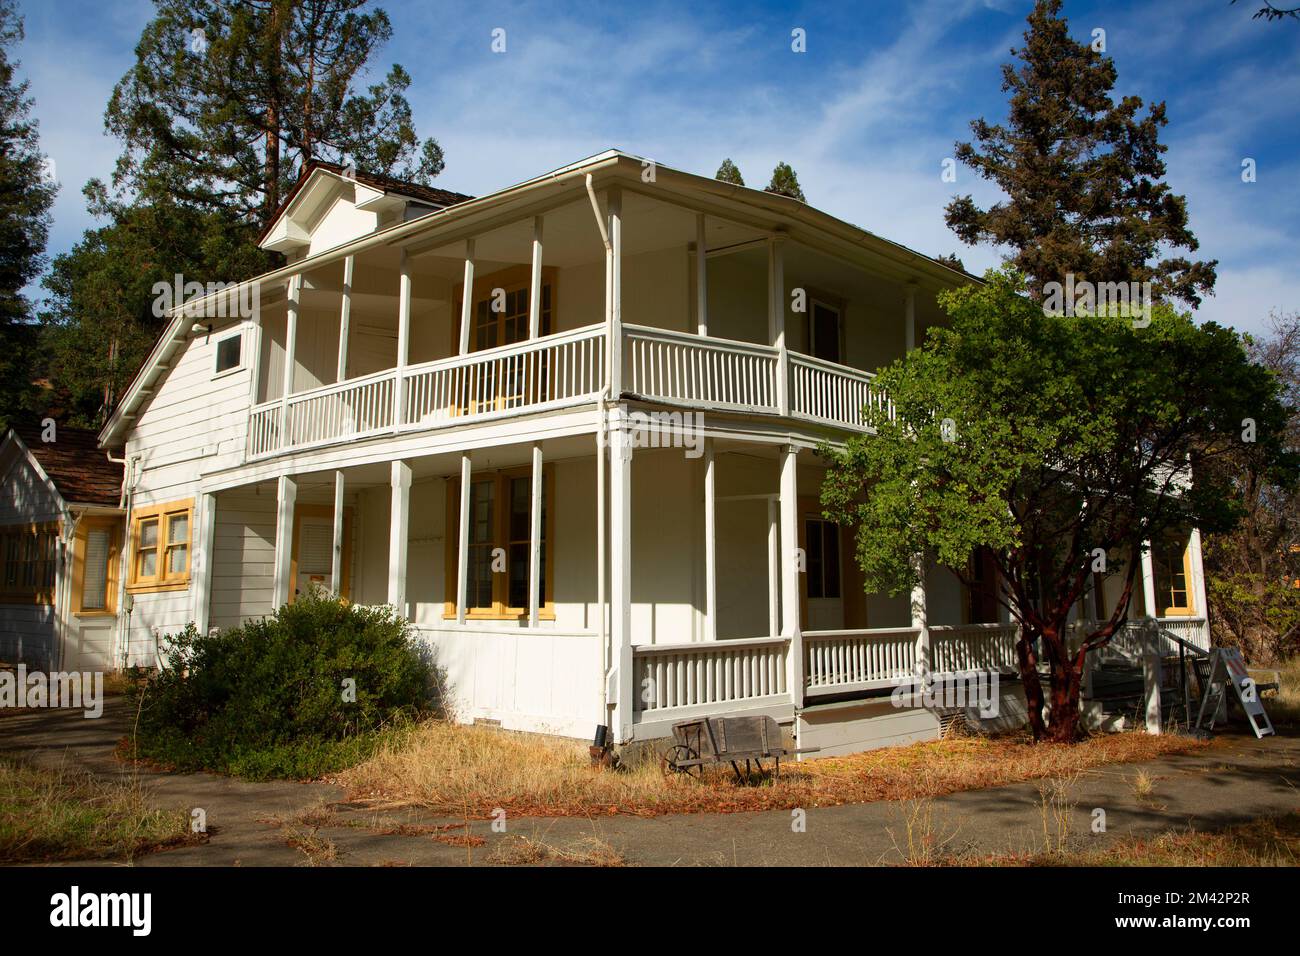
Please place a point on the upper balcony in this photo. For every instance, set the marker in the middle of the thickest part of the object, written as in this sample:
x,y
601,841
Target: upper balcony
x,y
562,370
622,289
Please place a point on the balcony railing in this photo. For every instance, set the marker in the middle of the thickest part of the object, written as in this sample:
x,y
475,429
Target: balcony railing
x,y
558,371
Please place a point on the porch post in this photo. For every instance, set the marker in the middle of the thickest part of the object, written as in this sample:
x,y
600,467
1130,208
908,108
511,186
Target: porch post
x,y
403,338
286,495
253,342
535,283
205,528
467,297
535,539
701,278
710,543
909,316
336,556
920,619
791,566
398,524
1198,578
290,347
773,566
776,310
1149,581
345,320
614,203
620,560
462,552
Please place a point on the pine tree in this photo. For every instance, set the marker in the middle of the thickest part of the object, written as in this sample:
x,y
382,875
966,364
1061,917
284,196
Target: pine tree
x,y
229,99
729,173
785,183
26,194
1083,174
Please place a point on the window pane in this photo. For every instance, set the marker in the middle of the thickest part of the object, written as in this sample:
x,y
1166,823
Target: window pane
x,y
228,353
521,504
481,512
94,580
178,530
813,555
148,563
149,533
518,596
177,559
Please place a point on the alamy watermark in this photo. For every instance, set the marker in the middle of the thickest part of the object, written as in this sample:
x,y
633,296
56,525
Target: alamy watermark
x,y
1125,300
683,430
958,690
81,690
213,300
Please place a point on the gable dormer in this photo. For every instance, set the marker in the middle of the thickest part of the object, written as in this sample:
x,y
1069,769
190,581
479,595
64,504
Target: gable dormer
x,y
331,205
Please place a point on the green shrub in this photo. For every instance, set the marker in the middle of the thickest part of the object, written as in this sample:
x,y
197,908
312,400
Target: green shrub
x,y
268,699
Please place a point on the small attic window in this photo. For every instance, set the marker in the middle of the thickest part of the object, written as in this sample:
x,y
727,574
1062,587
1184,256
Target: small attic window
x,y
230,353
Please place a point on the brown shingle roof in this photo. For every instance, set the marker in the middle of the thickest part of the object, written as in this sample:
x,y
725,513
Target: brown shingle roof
x,y
77,465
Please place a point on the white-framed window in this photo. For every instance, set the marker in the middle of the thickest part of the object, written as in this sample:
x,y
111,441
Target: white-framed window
x,y
229,354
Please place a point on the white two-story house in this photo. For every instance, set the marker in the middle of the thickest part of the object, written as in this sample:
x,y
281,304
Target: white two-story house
x,y
569,431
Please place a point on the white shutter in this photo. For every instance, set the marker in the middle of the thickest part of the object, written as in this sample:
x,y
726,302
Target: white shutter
x,y
315,547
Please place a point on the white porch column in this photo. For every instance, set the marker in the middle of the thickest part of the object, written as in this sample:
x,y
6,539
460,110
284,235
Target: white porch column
x,y
535,539
399,522
290,347
620,561
1149,582
909,317
614,204
920,619
253,342
462,551
701,277
467,298
336,554
1198,578
773,566
286,495
776,309
403,338
710,543
790,570
345,320
205,527
535,283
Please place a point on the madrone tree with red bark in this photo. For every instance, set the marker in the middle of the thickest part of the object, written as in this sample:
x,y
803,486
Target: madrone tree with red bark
x,y
1056,445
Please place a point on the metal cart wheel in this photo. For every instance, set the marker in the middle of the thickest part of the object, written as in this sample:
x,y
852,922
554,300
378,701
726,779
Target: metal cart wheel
x,y
671,760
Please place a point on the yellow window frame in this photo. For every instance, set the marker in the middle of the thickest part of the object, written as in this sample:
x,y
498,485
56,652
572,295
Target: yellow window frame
x,y
163,579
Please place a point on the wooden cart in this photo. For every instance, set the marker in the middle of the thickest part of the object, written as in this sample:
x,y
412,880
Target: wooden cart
x,y
708,740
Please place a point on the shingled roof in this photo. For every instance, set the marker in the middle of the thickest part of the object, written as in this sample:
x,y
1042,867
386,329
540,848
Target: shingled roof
x,y
77,465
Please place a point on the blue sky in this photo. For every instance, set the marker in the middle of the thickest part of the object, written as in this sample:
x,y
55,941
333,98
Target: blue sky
x,y
866,116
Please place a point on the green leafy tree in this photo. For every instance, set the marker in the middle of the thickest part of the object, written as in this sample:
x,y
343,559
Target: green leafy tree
x,y
1252,574
785,183
1083,175
728,172
1048,441
229,98
27,192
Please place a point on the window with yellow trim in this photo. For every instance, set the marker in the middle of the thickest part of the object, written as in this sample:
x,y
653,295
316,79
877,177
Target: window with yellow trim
x,y
28,559
1171,562
94,575
497,566
160,546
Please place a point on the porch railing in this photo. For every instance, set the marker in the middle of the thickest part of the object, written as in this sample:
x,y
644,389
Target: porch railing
x,y
838,662
832,394
714,672
564,369
971,647
708,372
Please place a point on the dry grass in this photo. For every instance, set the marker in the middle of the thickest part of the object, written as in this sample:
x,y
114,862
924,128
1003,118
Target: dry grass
x,y
525,851
467,772
1271,841
56,814
1284,706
